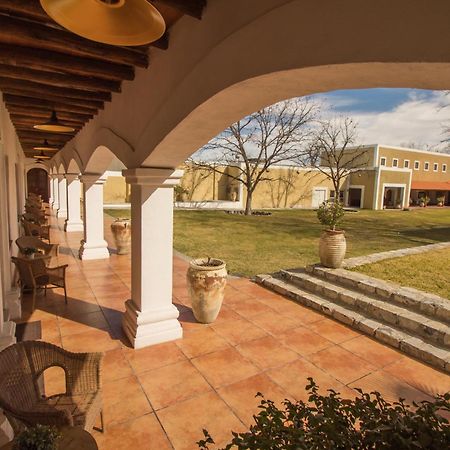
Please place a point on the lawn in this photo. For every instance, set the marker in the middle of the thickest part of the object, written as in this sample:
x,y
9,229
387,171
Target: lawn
x,y
289,238
428,271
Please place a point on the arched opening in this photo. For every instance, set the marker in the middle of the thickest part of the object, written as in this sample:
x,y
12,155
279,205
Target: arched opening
x,y
38,183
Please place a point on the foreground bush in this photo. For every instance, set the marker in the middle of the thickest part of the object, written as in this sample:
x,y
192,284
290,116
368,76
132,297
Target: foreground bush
x,y
330,422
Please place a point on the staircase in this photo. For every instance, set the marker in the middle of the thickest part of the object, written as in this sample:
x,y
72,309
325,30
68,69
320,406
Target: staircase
x,y
412,321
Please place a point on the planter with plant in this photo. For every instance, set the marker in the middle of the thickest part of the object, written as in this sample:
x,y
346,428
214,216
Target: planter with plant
x,y
440,200
39,437
30,252
332,244
207,278
329,422
423,201
121,230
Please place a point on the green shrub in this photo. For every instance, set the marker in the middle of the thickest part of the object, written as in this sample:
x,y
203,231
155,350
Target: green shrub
x,y
40,437
330,214
329,422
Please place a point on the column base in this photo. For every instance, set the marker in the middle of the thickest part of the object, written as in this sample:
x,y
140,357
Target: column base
x,y
61,214
55,206
73,226
151,327
93,251
8,334
14,304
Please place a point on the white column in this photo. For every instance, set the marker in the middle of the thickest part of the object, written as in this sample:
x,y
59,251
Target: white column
x,y
73,221
62,195
55,182
50,197
93,246
150,316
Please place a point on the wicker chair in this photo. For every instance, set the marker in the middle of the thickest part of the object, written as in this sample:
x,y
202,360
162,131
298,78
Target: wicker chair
x,y
34,242
33,229
21,396
34,274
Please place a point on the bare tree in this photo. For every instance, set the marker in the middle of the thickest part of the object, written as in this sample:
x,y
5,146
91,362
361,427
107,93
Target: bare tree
x,y
333,152
267,137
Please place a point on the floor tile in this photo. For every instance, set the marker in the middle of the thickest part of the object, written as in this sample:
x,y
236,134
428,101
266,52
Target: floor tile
x,y
250,307
85,322
184,422
200,342
90,341
115,366
304,341
174,383
224,367
266,352
237,331
333,331
273,322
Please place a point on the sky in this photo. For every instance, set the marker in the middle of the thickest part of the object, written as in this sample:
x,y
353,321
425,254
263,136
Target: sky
x,y
393,116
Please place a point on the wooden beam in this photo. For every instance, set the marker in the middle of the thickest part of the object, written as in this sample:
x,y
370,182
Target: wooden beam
x,y
192,8
64,64
32,133
59,80
25,119
32,111
25,8
14,31
31,86
59,104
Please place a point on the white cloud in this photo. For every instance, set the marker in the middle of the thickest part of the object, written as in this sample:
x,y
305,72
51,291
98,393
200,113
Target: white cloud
x,y
419,120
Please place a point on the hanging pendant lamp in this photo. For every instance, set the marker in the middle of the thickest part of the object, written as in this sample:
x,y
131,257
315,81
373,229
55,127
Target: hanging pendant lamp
x,y
115,22
45,147
41,156
53,125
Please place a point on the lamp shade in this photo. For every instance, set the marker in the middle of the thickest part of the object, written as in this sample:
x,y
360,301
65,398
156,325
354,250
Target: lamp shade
x,y
45,147
53,125
41,155
115,22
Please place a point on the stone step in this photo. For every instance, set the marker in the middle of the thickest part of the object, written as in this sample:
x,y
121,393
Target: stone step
x,y
392,314
425,303
404,341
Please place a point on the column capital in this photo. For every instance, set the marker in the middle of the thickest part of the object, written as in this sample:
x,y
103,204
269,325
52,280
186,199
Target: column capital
x,y
93,178
153,176
71,176
60,176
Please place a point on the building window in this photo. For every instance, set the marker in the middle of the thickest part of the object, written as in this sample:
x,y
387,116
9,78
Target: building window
x,y
426,166
341,196
406,164
394,162
416,165
444,167
383,161
435,167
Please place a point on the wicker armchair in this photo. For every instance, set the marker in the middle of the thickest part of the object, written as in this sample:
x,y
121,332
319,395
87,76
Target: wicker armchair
x,y
21,396
34,274
34,242
33,229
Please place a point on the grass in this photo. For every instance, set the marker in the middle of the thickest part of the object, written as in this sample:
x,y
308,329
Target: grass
x,y
428,271
289,238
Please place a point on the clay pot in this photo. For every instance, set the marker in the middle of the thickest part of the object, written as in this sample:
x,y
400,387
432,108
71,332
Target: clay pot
x,y
233,196
206,279
121,229
332,247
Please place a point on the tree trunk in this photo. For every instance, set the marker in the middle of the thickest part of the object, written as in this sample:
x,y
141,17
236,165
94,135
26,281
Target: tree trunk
x,y
248,203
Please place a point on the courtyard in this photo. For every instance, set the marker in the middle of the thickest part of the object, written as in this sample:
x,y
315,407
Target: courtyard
x,y
164,395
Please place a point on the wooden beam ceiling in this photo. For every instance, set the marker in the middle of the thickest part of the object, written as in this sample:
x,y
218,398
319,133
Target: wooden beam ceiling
x,y
44,67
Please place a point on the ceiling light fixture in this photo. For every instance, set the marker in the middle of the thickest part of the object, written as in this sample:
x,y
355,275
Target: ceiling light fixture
x,y
45,146
53,125
115,22
41,156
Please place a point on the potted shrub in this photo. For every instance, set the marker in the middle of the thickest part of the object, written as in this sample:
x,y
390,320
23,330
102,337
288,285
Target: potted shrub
x,y
121,230
423,201
440,200
39,437
330,422
207,278
30,252
332,244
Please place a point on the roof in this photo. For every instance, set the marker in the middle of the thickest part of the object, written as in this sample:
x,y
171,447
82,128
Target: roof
x,y
431,185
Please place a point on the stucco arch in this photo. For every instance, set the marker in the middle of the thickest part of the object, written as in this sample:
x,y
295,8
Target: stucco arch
x,y
101,160
35,165
230,64
75,164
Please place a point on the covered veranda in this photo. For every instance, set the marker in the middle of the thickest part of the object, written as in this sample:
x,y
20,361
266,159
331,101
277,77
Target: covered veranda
x,y
214,72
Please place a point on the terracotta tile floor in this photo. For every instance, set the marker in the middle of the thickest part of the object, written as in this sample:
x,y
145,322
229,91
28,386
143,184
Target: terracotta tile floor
x,y
162,396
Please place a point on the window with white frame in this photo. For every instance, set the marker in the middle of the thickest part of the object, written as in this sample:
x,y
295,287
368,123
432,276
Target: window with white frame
x,y
383,161
416,165
444,167
426,166
406,163
394,162
435,167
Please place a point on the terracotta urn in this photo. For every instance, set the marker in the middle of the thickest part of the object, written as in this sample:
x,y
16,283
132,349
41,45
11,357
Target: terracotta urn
x,y
206,278
332,248
121,229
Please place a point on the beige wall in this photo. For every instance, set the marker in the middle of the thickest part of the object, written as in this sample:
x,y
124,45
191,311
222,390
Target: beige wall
x,y
366,179
115,190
